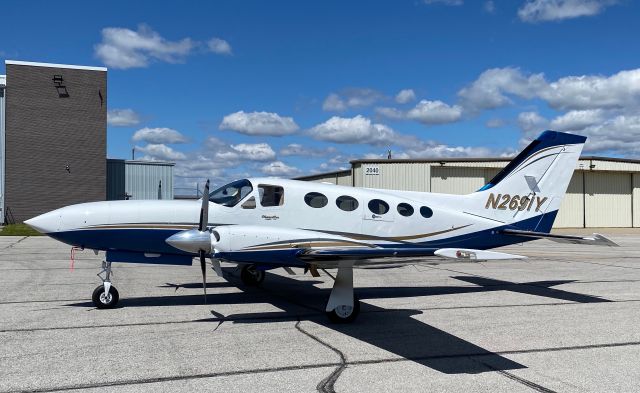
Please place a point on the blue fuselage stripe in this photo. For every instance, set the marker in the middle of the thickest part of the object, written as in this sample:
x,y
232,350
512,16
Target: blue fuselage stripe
x,y
147,240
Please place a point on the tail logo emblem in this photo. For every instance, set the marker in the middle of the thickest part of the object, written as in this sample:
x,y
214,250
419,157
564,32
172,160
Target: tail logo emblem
x,y
515,202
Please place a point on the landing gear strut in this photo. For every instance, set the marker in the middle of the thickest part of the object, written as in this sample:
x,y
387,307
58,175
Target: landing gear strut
x,y
343,306
105,295
251,276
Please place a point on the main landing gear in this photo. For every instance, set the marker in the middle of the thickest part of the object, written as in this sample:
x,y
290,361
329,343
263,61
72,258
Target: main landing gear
x,y
343,306
251,276
105,295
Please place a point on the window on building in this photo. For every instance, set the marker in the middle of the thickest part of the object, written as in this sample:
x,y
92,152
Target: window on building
x,y
426,212
378,206
270,195
347,203
405,209
316,200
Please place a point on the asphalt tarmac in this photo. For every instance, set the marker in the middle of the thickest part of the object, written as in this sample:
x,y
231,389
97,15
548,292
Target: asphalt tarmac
x,y
565,320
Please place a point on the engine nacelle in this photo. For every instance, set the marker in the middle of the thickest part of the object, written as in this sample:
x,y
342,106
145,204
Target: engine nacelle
x,y
230,238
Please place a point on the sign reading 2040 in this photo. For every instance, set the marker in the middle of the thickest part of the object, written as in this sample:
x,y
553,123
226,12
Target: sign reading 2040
x,y
515,202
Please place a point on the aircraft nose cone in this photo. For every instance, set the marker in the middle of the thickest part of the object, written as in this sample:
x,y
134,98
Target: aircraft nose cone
x,y
191,241
46,223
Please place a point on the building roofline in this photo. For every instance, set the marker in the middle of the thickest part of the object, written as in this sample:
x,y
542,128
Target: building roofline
x,y
477,159
53,65
146,162
342,172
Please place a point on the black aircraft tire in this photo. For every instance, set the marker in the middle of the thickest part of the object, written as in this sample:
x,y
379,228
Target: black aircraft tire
x,y
338,318
251,276
99,300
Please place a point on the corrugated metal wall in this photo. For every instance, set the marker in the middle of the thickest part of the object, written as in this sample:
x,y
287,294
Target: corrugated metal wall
x,y
607,199
116,180
343,179
458,180
142,180
571,213
636,199
339,178
139,179
394,176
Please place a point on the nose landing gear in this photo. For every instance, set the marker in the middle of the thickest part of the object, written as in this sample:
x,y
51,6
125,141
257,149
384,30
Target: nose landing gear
x,y
105,295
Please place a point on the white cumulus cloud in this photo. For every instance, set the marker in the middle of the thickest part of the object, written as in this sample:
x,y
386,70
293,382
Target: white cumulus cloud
x,y
425,112
552,10
158,136
435,112
594,91
358,129
493,86
254,151
578,120
126,48
259,123
279,168
350,98
437,150
406,95
219,46
160,152
296,149
122,118
532,122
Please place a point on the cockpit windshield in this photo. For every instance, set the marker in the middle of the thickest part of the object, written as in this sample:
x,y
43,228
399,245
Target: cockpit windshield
x,y
230,194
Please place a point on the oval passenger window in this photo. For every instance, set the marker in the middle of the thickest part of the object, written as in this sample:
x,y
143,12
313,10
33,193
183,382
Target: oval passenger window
x,y
405,209
347,203
316,200
378,206
426,212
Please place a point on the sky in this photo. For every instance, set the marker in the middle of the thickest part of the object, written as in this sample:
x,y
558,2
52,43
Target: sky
x,y
231,89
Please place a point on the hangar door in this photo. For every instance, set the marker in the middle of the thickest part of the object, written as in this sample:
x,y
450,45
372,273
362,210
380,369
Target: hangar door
x,y
571,213
457,180
607,199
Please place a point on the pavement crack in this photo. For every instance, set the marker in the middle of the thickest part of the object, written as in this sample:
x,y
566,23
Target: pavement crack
x,y
327,385
513,377
16,242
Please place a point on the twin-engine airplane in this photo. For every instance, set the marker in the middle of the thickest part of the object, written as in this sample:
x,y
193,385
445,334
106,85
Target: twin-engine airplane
x,y
266,223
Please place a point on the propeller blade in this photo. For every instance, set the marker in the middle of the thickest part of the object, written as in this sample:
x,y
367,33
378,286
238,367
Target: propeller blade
x,y
203,267
215,264
204,210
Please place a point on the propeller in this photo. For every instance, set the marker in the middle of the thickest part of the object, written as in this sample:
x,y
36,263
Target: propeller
x,y
204,222
198,241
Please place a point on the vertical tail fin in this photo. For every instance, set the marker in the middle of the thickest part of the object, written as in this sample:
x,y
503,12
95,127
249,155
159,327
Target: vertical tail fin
x,y
528,192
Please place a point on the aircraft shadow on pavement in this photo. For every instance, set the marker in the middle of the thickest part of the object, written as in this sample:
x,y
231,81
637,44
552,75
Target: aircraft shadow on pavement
x,y
396,332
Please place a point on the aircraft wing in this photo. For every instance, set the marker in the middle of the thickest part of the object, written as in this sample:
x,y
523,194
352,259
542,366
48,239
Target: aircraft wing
x,y
368,256
596,239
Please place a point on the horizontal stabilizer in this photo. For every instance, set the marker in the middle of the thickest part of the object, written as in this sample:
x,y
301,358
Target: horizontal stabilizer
x,y
595,240
466,254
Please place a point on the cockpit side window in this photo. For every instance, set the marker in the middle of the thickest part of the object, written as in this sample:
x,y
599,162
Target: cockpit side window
x,y
249,203
270,195
230,194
